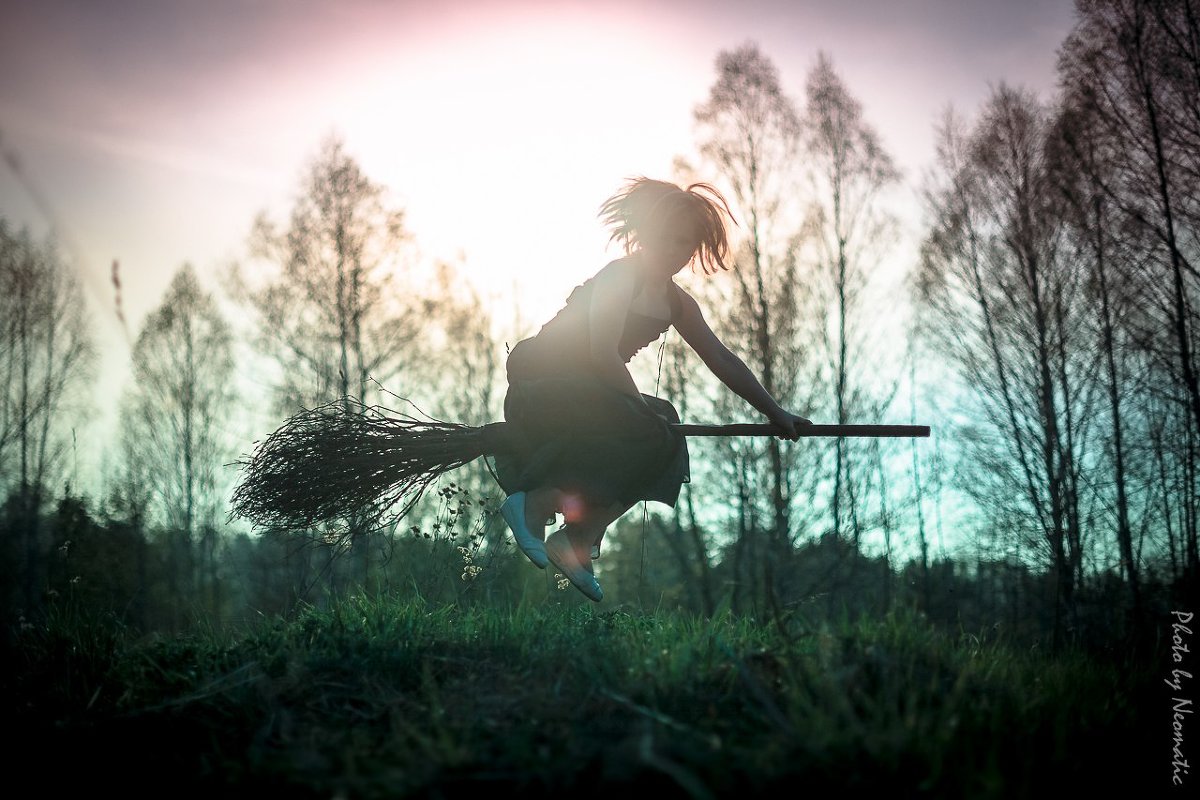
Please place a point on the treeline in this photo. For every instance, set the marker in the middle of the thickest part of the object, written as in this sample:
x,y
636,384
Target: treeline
x,y
1059,275
1047,331
331,303
1050,336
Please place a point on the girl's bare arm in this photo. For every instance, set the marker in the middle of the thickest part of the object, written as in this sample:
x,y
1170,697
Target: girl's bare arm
x,y
728,368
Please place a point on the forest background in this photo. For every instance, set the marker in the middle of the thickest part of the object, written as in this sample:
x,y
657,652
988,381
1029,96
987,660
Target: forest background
x,y
1043,322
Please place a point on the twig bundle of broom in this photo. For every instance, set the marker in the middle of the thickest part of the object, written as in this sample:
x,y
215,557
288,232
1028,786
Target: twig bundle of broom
x,y
345,458
348,461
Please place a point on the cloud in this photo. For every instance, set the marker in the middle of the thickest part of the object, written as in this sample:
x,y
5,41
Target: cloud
x,y
147,151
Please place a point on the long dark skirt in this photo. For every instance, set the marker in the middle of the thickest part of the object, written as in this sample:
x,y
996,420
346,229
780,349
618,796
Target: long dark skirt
x,y
580,435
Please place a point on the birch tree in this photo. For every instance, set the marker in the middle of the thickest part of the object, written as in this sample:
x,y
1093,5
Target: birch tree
x,y
331,307
749,132
1008,303
848,171
174,429
46,361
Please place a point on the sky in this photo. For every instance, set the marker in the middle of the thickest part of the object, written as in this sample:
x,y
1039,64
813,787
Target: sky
x,y
151,132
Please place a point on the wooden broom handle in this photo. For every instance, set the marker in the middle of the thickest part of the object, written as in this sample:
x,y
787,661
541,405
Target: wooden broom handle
x,y
806,431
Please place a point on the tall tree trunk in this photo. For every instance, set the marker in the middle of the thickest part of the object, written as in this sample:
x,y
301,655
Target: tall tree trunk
x,y
1124,530
922,537
701,554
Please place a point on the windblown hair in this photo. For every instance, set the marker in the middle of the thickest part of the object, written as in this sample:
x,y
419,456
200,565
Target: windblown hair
x,y
644,205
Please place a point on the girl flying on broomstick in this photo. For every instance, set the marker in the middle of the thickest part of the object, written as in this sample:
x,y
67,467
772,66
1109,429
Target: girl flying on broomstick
x,y
586,443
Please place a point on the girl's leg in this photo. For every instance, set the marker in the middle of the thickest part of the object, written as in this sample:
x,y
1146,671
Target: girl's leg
x,y
541,504
569,547
585,525
616,512
588,531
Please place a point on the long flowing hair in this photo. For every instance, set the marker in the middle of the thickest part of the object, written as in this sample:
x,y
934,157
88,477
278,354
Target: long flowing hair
x,y
644,204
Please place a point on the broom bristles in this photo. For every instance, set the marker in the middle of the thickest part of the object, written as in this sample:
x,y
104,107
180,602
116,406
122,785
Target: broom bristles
x,y
345,463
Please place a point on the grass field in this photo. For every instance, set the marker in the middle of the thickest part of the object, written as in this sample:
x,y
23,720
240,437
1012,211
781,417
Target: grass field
x,y
380,698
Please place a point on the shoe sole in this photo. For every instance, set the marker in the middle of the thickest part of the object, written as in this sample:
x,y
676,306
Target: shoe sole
x,y
586,585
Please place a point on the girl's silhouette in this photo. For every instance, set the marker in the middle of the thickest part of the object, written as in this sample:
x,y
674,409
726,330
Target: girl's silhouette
x,y
588,443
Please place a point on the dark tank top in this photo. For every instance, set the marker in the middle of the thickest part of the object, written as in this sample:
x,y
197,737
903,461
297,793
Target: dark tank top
x,y
563,345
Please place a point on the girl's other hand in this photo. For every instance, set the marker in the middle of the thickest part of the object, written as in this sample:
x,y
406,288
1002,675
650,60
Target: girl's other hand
x,y
789,423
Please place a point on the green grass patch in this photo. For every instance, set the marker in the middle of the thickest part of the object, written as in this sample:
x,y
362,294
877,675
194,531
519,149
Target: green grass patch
x,y
379,698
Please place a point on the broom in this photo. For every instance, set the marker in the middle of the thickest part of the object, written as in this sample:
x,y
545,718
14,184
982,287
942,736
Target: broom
x,y
346,457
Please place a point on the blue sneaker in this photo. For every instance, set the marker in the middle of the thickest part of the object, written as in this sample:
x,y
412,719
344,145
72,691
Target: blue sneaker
x,y
562,555
513,512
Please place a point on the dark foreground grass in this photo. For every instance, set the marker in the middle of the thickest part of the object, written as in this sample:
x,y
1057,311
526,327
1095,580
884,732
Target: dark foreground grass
x,y
379,699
